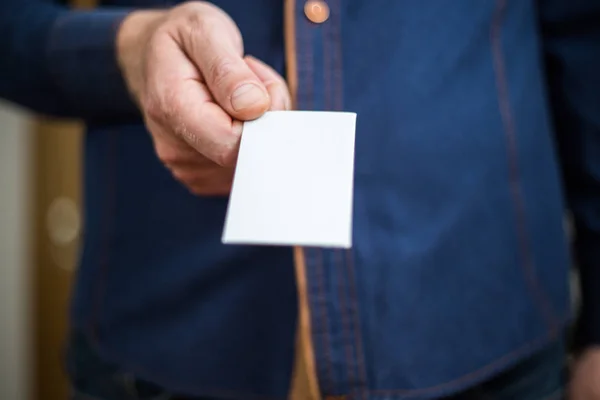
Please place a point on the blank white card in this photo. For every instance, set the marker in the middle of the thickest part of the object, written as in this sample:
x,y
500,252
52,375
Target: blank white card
x,y
293,181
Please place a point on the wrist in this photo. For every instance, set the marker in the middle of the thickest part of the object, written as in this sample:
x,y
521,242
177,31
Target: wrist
x,y
134,32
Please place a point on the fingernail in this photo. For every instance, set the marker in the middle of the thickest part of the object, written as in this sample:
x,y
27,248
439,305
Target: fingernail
x,y
282,101
287,102
246,96
278,105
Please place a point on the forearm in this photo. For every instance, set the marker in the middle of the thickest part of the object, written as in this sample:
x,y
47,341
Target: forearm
x,y
136,28
62,62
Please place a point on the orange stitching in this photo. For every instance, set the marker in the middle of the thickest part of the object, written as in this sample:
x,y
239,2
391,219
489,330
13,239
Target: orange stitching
x,y
346,328
509,129
307,94
324,321
507,358
326,71
528,262
337,21
346,320
336,93
339,85
358,337
310,84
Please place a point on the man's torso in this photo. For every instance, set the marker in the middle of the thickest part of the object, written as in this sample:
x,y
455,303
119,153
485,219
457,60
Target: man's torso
x,y
459,264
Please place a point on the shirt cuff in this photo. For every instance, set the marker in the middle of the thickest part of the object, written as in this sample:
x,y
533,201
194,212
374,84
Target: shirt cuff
x,y
82,62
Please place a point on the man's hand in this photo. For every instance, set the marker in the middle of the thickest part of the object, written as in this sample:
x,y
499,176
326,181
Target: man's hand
x,y
585,381
186,70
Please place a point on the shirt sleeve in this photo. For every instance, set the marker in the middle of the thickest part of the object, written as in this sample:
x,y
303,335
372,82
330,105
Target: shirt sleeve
x,y
571,34
62,62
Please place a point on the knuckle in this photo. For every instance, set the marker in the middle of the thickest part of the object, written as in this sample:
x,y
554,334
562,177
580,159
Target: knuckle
x,y
225,158
156,36
204,20
167,155
170,103
152,108
187,135
162,108
197,190
201,24
197,186
187,6
195,7
277,87
222,72
183,176
281,82
210,189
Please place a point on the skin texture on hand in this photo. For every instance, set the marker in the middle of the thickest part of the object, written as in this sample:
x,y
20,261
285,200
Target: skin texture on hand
x,y
186,70
585,380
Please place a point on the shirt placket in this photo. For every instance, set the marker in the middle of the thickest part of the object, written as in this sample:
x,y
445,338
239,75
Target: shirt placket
x,y
326,280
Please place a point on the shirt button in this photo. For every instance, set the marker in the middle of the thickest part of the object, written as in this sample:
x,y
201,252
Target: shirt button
x,y
316,11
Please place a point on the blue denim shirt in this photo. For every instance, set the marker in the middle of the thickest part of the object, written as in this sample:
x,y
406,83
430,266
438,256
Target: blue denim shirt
x,y
460,261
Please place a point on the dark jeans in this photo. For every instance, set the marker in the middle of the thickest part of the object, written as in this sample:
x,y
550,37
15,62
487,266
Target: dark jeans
x,y
540,377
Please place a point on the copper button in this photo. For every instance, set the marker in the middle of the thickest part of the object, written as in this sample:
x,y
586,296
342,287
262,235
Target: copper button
x,y
316,11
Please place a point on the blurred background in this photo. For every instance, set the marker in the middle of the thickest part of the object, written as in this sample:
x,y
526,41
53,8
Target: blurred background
x,y
40,231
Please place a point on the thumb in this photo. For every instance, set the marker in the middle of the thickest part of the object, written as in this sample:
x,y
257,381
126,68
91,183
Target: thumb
x,y
231,82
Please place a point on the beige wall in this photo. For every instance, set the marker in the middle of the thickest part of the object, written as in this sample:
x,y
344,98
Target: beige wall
x,y
15,167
